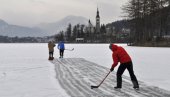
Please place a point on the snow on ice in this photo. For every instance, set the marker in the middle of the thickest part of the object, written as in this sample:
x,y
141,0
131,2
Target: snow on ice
x,y
26,72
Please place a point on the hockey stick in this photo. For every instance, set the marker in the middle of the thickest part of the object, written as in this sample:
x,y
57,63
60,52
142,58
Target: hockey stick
x,y
70,49
100,82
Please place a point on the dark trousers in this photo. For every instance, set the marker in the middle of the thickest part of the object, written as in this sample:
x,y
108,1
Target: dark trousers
x,y
50,54
121,69
61,53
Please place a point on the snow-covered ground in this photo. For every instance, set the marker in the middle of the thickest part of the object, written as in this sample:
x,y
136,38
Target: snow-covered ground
x,y
151,64
26,72
76,75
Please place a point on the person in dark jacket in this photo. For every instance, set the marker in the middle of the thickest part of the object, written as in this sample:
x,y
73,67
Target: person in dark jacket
x,y
120,55
61,48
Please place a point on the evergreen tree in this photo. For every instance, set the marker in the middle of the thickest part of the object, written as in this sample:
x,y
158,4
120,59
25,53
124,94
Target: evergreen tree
x,y
60,36
148,18
68,32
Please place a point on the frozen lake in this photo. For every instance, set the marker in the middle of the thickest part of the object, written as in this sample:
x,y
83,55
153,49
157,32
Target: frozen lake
x,y
151,65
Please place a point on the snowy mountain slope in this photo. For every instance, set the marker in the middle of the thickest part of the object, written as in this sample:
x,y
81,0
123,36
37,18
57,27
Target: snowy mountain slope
x,y
19,31
43,29
55,27
3,23
76,75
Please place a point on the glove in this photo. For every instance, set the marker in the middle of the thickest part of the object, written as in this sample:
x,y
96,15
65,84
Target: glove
x,y
111,69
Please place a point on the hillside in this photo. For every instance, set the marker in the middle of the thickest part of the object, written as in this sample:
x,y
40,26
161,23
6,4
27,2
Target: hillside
x,y
41,30
119,25
55,27
19,31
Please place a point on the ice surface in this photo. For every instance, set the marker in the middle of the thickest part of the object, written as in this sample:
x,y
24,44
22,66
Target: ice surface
x,y
151,64
76,76
26,72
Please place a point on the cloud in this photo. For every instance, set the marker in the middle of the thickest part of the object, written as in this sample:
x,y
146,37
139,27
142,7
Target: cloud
x,y
31,12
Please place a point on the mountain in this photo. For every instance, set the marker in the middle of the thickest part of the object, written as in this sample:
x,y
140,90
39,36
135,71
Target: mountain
x,y
2,23
55,27
19,31
43,29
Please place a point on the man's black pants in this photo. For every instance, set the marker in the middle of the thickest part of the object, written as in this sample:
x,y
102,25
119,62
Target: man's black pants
x,y
61,53
121,69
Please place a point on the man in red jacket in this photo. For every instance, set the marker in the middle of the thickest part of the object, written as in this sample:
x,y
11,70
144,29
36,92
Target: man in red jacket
x,y
120,55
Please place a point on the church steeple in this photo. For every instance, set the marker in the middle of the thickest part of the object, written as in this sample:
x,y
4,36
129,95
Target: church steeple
x,y
89,21
97,16
97,21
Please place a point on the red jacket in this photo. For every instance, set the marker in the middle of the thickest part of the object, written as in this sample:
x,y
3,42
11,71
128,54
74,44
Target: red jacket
x,y
119,55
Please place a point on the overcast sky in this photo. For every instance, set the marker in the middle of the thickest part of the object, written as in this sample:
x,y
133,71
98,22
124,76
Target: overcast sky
x,y
32,12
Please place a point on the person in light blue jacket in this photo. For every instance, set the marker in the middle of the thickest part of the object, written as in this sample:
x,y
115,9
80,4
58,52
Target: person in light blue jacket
x,y
61,48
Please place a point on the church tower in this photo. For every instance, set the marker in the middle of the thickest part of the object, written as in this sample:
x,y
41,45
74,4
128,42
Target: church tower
x,y
97,22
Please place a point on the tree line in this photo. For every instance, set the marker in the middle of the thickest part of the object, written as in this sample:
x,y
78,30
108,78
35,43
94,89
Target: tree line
x,y
6,39
82,31
149,21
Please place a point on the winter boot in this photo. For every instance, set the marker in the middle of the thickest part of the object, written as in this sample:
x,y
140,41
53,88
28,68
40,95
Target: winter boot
x,y
135,85
51,58
117,88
